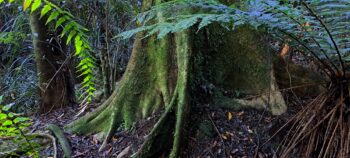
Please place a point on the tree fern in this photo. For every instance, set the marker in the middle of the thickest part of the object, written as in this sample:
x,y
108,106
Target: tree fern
x,y
320,28
326,37
74,33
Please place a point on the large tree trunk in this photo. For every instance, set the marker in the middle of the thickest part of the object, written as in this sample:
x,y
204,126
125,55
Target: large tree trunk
x,y
171,72
238,62
53,67
157,76
162,73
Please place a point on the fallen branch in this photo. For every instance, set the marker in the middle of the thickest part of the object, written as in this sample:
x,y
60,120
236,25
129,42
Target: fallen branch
x,y
53,139
61,139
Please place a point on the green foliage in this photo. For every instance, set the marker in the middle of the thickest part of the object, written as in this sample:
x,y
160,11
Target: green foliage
x,y
23,96
16,63
12,128
11,37
320,28
71,30
107,19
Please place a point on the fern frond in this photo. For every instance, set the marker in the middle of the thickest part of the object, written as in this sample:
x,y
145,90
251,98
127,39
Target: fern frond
x,y
320,28
71,30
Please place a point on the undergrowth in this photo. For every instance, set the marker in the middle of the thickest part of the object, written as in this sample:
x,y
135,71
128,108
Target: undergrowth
x,y
14,137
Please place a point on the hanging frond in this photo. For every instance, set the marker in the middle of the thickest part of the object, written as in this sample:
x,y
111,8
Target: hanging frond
x,y
320,28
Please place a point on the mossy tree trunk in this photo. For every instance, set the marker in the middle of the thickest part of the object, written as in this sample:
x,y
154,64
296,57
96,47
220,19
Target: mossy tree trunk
x,y
168,73
157,76
53,66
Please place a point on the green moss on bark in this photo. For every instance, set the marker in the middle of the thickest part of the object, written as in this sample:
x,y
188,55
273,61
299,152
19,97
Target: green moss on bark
x,y
146,86
237,61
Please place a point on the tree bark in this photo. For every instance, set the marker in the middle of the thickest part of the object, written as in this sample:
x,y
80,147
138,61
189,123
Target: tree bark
x,y
53,66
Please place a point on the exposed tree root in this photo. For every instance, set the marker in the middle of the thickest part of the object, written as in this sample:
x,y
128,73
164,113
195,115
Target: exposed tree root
x,y
158,139
61,139
53,140
321,129
157,76
110,132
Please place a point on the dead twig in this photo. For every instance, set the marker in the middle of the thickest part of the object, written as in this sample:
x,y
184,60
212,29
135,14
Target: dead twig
x,y
218,132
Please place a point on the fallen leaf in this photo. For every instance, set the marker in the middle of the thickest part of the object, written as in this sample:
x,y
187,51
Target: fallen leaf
x,y
229,116
285,50
234,151
240,113
114,138
109,151
219,151
215,143
78,154
13,96
229,133
261,155
223,137
124,152
250,131
94,139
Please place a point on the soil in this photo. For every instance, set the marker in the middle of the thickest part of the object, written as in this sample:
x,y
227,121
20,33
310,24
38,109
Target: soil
x,y
213,132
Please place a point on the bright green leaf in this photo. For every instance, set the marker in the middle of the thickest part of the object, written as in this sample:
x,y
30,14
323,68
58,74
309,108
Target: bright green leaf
x,y
20,119
26,4
7,122
11,114
11,129
66,28
52,16
68,13
36,5
78,43
45,10
60,21
3,116
70,36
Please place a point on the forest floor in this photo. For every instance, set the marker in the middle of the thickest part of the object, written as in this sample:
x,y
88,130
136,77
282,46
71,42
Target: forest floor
x,y
218,132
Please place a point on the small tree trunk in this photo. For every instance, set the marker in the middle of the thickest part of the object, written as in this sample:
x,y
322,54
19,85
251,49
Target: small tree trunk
x,y
105,74
53,67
